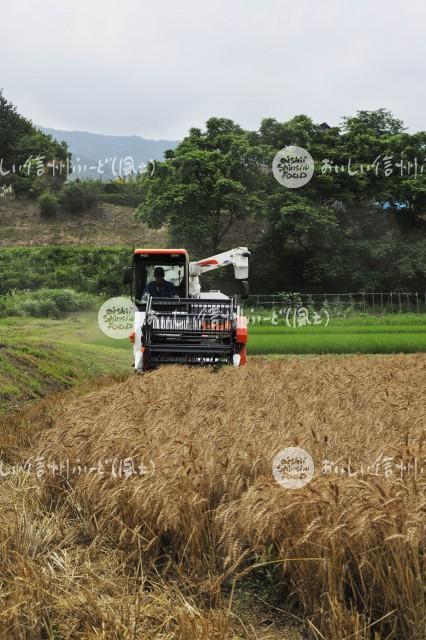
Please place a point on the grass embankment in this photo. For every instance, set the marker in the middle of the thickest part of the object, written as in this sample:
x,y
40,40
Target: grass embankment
x,y
399,333
39,356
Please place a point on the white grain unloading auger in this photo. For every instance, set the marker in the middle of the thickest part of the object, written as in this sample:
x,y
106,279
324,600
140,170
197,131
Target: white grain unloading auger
x,y
191,327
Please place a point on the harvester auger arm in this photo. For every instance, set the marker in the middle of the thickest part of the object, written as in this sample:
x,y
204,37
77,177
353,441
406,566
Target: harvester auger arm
x,y
237,257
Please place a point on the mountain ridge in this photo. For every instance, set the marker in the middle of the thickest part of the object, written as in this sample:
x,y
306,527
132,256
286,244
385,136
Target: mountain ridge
x,y
89,149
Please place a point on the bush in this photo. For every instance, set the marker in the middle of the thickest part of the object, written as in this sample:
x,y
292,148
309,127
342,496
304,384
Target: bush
x,y
113,187
77,197
66,299
127,193
37,308
39,186
45,303
121,199
48,205
95,270
43,183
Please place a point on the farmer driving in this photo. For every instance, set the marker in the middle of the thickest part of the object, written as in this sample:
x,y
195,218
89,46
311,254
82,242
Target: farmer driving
x,y
160,288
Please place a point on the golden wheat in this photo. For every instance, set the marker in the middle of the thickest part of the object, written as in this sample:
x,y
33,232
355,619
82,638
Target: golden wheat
x,y
165,552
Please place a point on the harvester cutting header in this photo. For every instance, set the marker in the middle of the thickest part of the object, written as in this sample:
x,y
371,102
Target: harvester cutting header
x,y
177,323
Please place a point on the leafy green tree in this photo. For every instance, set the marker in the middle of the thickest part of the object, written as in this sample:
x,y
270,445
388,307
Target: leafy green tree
x,y
358,224
26,151
210,184
360,231
375,123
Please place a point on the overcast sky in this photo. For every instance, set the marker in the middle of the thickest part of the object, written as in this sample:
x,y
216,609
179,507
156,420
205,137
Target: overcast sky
x,y
155,68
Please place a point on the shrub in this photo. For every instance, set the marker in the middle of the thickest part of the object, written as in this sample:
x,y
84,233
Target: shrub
x,y
127,193
37,308
46,182
39,186
48,205
77,197
121,199
45,303
66,299
92,269
113,187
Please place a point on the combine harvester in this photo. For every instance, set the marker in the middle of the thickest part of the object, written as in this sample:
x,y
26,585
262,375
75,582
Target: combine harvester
x,y
190,327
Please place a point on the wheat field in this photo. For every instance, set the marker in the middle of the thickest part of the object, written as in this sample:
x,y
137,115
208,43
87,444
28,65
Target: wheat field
x,y
148,508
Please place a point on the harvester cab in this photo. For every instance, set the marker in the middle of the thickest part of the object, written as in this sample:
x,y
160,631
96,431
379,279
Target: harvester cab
x,y
177,323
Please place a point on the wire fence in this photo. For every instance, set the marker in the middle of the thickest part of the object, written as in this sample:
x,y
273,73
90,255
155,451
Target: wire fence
x,y
343,303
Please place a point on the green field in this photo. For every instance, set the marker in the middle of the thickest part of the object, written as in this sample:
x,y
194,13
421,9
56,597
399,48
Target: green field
x,y
399,333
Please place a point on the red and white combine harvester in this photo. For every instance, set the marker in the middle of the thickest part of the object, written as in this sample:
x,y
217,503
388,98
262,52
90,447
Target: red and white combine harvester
x,y
177,323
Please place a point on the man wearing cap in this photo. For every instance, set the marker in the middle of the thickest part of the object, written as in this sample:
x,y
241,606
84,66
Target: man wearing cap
x,y
160,288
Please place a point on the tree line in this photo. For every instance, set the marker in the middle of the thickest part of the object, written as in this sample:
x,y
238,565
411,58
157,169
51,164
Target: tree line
x,y
359,224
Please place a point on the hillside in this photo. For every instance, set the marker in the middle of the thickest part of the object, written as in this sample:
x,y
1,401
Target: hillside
x,y
21,225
